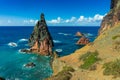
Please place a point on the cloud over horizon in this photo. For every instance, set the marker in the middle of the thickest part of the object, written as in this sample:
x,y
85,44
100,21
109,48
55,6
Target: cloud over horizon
x,y
82,20
73,21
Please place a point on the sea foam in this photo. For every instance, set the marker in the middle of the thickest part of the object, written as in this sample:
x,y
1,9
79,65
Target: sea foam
x,y
59,50
23,40
65,34
12,44
56,41
88,34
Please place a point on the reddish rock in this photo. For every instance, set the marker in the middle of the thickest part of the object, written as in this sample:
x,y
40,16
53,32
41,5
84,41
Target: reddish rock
x,y
83,41
78,34
40,40
112,18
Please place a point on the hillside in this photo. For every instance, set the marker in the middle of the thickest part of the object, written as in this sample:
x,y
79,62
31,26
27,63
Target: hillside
x,y
99,60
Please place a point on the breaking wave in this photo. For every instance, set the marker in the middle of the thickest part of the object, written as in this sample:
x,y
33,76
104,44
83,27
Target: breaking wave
x,y
59,50
23,40
57,41
65,34
12,44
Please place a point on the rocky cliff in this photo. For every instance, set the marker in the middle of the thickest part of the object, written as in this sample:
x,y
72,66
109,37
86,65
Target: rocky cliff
x,y
40,40
112,18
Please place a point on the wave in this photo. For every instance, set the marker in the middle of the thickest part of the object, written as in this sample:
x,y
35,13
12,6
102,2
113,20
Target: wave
x,y
88,34
60,33
76,39
65,34
59,50
12,44
57,41
23,40
20,50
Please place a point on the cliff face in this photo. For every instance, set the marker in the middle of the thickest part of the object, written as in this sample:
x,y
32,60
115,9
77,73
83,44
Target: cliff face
x,y
40,40
112,18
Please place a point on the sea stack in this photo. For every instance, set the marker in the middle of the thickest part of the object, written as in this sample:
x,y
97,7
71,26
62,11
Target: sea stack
x,y
112,18
79,34
40,40
83,41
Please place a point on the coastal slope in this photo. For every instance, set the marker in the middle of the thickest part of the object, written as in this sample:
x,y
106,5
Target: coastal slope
x,y
98,60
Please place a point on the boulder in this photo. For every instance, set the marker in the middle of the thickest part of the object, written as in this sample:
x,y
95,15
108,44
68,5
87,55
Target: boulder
x,y
30,65
1,78
25,50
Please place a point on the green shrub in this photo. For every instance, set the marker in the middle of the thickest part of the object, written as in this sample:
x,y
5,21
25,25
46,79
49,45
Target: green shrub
x,y
89,59
112,68
115,37
65,74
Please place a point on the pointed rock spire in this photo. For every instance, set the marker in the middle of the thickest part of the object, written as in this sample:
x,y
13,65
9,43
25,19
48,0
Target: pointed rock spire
x,y
40,40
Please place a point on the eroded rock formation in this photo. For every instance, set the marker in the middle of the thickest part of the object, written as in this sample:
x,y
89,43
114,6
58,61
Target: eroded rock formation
x,y
112,18
78,34
83,41
40,40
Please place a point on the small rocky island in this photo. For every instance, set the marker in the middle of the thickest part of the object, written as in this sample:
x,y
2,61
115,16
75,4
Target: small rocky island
x,y
83,41
40,40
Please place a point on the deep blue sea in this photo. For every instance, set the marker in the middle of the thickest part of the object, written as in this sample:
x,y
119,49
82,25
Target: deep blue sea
x,y
12,61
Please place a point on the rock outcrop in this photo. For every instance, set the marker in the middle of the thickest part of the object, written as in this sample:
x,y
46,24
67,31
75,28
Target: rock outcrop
x,y
40,40
30,65
83,41
78,34
112,18
2,78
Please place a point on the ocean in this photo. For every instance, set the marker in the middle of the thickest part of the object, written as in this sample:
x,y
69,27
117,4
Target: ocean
x,y
12,61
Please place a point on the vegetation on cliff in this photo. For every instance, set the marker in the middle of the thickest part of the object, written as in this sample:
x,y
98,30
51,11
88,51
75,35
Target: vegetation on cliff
x,y
65,74
112,68
89,59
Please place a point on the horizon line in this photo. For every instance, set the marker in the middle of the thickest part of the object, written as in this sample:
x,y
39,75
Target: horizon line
x,y
51,26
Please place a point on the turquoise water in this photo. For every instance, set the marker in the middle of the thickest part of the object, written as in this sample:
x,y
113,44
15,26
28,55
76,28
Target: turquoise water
x,y
12,61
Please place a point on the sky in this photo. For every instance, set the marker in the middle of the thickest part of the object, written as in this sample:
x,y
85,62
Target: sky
x,y
57,12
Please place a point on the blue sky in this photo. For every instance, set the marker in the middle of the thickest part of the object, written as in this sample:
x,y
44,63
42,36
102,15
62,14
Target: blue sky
x,y
57,12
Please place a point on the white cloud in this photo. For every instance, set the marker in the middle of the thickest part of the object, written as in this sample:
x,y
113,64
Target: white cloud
x,y
55,21
97,17
82,18
70,20
30,21
73,21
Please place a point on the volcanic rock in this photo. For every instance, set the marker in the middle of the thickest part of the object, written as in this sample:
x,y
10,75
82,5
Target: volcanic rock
x,y
112,18
78,34
30,65
1,78
40,40
83,41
